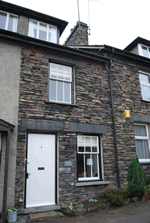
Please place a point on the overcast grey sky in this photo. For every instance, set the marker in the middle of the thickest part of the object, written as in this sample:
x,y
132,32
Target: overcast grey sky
x,y
113,22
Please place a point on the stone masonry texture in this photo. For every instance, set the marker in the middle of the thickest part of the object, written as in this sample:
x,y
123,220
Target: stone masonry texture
x,y
93,107
92,96
79,35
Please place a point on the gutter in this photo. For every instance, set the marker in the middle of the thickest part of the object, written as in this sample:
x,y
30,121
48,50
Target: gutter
x,y
65,49
86,47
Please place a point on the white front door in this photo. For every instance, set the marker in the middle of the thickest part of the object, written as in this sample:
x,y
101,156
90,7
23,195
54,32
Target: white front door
x,y
40,184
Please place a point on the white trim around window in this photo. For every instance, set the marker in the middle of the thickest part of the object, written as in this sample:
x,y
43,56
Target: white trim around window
x,y
145,85
43,31
60,83
142,143
8,21
88,158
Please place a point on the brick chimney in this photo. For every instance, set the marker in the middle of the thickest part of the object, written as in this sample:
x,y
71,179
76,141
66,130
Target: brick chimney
x,y
78,35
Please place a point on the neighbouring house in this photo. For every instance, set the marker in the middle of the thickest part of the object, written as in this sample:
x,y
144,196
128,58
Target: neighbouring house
x,y
67,104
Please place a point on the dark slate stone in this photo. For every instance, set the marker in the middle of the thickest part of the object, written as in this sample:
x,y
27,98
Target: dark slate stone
x,y
88,128
141,118
45,125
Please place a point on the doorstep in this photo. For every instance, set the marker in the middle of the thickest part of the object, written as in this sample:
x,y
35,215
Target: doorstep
x,y
39,209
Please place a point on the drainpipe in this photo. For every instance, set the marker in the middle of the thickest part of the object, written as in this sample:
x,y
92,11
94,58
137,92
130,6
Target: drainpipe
x,y
113,118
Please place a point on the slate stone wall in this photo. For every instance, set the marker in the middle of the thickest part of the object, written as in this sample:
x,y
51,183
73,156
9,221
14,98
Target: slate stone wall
x,y
92,96
127,95
92,106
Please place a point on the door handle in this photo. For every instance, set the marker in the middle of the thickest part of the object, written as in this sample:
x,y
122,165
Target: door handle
x,y
27,175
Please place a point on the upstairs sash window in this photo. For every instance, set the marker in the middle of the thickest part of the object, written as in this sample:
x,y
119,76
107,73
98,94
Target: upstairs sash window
x,y
145,85
60,83
42,31
8,21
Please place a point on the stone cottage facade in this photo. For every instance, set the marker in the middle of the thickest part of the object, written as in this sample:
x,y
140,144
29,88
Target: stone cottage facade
x,y
73,137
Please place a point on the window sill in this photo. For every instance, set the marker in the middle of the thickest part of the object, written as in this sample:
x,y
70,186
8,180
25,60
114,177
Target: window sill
x,y
144,100
144,161
59,103
82,184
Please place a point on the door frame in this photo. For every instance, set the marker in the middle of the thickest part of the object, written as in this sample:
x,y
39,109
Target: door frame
x,y
42,133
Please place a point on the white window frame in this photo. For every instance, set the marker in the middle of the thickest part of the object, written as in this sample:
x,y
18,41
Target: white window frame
x,y
90,153
60,80
144,83
47,31
144,138
141,51
7,20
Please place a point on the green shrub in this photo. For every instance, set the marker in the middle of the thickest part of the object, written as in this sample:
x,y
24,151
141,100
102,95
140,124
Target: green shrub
x,y
136,179
115,197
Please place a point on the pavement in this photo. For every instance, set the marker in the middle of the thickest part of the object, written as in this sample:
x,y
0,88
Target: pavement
x,y
131,213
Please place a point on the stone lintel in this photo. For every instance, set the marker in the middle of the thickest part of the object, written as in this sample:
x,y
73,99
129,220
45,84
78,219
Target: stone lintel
x,y
141,118
43,125
88,128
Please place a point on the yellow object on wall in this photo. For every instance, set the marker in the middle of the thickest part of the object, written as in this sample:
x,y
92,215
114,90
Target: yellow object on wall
x,y
127,113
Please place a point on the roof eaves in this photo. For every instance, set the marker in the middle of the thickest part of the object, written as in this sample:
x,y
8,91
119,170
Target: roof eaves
x,y
29,40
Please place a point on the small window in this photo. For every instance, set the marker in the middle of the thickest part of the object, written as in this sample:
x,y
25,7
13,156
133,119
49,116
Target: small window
x,y
145,86
88,158
142,142
144,51
42,31
8,21
60,83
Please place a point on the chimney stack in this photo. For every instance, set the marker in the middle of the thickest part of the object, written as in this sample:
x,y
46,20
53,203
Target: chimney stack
x,y
78,35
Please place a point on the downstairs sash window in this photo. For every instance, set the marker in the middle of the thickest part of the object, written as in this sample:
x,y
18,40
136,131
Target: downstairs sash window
x,y
88,158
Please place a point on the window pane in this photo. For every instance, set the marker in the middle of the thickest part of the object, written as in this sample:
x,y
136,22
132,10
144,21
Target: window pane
x,y
60,68
67,77
53,74
144,51
60,91
53,35
60,76
52,92
12,24
53,66
81,149
80,170
95,165
88,141
80,140
142,149
88,149
2,20
94,140
42,32
145,90
144,78
140,130
89,163
94,149
33,29
67,70
67,92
